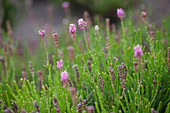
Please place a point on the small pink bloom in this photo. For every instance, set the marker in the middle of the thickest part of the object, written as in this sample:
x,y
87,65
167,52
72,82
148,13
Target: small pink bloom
x,y
64,75
82,23
41,33
59,64
137,50
72,30
143,14
65,4
96,27
120,13
55,35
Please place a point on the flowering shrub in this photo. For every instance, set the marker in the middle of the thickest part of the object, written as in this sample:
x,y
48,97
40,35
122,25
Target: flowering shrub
x,y
100,71
82,23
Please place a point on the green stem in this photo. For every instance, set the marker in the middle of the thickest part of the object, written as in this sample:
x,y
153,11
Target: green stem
x,y
123,29
85,39
48,66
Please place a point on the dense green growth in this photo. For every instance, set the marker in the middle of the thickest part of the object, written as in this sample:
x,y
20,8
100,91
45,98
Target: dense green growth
x,y
102,58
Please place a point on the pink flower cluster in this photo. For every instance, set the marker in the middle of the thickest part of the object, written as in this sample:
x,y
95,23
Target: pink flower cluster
x,y
41,33
120,13
82,23
72,30
64,75
137,50
60,64
55,35
65,4
143,14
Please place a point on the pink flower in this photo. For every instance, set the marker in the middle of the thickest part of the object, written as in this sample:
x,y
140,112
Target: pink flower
x,y
64,75
82,23
137,50
143,14
60,64
72,30
65,4
41,33
55,35
96,27
120,13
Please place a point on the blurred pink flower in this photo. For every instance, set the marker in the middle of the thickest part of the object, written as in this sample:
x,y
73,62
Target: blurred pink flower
x,y
60,64
96,27
65,4
41,33
120,13
64,75
55,35
82,23
137,50
143,14
72,30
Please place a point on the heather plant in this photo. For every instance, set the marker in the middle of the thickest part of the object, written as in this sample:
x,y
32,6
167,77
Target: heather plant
x,y
90,70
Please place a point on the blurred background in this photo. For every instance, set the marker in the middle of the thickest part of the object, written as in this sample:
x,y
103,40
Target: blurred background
x,y
28,16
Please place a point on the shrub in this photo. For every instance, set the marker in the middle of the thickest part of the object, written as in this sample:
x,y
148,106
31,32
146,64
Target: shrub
x,y
115,71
